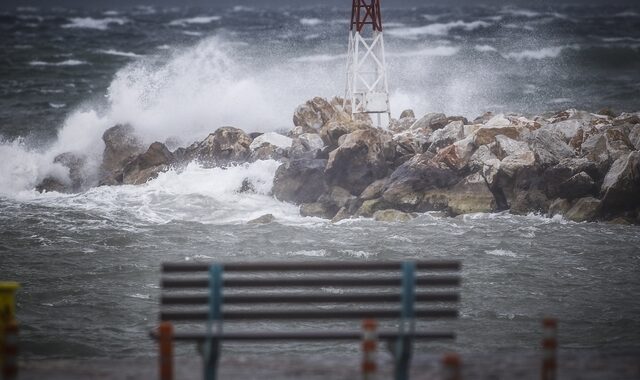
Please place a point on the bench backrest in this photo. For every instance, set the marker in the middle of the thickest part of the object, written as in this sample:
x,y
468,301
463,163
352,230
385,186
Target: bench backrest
x,y
198,293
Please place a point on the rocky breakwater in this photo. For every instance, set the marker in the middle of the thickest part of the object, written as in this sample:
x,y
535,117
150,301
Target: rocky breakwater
x,y
583,166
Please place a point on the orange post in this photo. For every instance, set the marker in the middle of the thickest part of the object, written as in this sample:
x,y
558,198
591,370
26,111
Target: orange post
x,y
10,351
549,346
165,339
451,367
369,347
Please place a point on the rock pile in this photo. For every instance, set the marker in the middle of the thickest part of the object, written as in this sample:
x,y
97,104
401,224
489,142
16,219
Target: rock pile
x,y
581,165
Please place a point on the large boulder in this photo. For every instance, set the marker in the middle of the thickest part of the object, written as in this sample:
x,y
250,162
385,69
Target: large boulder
x,y
584,210
568,179
528,201
334,129
359,160
317,112
300,181
405,187
317,210
306,145
549,147
147,165
497,125
451,133
605,147
634,136
567,129
121,146
621,186
431,121
227,145
270,145
470,195
369,207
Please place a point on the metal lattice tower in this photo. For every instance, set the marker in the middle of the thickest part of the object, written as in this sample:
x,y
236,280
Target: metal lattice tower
x,y
367,86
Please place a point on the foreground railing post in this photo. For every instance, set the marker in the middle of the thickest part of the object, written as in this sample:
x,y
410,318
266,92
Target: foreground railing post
x,y
549,346
10,351
369,347
165,339
451,367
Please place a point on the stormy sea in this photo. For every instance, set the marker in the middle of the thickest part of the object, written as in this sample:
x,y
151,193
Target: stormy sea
x,y
88,262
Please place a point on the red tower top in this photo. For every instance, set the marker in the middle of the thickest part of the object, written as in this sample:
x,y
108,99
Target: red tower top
x,y
366,12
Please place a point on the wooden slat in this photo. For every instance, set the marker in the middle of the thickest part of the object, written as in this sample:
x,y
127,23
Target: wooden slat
x,y
201,315
446,265
241,299
302,335
203,282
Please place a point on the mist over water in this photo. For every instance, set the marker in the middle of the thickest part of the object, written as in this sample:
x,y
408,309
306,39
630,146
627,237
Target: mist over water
x,y
177,74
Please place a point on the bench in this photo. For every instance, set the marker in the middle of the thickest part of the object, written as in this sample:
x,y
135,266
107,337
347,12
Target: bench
x,y
199,299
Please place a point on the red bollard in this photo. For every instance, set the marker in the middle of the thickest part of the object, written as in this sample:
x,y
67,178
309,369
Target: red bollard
x,y
451,366
10,351
549,346
369,346
165,340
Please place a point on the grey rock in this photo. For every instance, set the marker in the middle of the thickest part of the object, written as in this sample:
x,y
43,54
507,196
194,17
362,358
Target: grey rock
x,y
621,186
359,160
317,210
374,190
264,219
584,210
549,147
559,207
432,121
227,145
579,186
449,134
121,146
300,181
147,165
391,216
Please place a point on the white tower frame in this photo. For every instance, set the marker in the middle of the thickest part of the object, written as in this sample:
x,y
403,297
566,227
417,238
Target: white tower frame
x,y
367,85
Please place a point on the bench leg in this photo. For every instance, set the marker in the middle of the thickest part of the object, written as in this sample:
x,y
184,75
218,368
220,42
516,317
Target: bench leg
x,y
165,341
402,356
211,357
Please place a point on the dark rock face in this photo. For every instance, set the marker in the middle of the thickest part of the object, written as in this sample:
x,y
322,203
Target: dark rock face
x,y
556,178
121,146
621,186
77,178
225,146
407,183
300,181
584,210
549,147
358,161
264,219
147,165
51,184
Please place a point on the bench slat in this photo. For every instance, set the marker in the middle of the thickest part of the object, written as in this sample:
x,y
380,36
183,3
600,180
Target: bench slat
x,y
451,265
305,314
203,282
302,335
200,299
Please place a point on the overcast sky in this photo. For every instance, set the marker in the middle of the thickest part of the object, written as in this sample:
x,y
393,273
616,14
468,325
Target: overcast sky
x,y
294,3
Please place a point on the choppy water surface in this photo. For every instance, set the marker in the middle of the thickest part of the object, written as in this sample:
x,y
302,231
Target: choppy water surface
x,y
89,262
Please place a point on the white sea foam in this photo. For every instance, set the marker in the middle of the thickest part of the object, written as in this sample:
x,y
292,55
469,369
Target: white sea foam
x,y
438,29
120,53
68,62
94,23
57,105
319,58
192,33
520,12
438,51
485,48
501,252
628,13
310,21
195,20
544,53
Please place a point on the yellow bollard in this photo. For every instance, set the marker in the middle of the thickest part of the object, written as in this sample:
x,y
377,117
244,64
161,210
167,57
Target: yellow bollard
x,y
7,311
